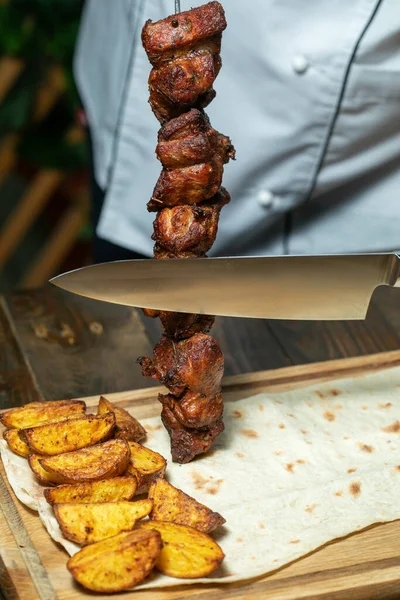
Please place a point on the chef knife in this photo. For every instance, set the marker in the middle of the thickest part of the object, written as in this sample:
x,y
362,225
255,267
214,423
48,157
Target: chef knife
x,y
279,287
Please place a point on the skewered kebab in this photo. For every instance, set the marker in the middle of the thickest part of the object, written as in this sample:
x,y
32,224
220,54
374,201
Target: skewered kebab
x,y
188,197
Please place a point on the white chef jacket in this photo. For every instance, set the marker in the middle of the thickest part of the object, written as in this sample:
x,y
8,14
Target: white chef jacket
x,y
309,93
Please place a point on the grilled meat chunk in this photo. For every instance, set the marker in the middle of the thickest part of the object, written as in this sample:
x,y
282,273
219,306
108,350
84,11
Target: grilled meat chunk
x,y
186,443
189,230
194,364
164,39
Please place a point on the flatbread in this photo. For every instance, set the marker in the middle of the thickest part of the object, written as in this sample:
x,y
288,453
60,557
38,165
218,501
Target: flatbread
x,y
292,471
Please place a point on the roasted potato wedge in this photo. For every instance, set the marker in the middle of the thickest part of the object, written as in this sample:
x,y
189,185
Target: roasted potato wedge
x,y
35,413
88,523
116,563
107,490
145,464
42,475
102,461
127,427
172,505
68,435
15,443
187,553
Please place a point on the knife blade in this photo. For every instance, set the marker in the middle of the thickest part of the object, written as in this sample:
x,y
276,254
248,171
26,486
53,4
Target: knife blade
x,y
327,287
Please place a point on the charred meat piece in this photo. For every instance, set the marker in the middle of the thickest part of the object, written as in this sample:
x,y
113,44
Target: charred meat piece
x,y
195,364
163,39
180,326
195,410
190,139
189,185
181,81
186,443
188,230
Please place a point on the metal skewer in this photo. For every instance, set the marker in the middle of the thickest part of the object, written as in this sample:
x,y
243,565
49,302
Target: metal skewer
x,y
177,6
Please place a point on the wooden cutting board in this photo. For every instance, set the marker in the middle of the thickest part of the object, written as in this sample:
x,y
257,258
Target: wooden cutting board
x,y
363,565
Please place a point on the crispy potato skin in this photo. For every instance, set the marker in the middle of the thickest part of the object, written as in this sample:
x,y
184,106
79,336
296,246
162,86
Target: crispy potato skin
x,y
172,505
127,427
102,461
35,413
187,553
145,464
89,523
68,435
15,443
41,474
117,563
108,490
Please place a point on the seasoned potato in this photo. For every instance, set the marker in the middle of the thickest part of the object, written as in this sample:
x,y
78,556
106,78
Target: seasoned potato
x,y
145,464
108,490
187,553
68,435
116,563
35,413
173,505
127,427
15,443
42,475
102,461
88,523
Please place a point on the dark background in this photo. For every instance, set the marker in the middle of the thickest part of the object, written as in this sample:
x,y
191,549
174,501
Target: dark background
x,y
44,192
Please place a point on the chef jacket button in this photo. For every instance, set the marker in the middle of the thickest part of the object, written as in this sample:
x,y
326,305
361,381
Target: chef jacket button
x,y
300,63
265,198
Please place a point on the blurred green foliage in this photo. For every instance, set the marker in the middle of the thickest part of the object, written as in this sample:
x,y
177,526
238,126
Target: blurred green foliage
x,y
43,34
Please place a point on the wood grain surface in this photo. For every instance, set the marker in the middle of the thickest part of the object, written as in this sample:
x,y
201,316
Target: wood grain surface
x,y
361,566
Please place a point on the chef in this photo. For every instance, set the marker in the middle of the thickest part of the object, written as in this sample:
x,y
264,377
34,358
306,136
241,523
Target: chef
x,y
309,93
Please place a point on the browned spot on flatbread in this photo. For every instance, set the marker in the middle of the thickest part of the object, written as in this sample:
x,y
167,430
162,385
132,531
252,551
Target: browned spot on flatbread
x,y
261,526
237,414
289,467
335,392
355,488
346,437
311,508
387,405
199,481
278,452
366,447
397,468
310,404
319,394
261,407
150,428
338,405
281,426
329,415
209,485
364,407
304,431
239,539
249,433
240,454
301,461
294,541
393,428
214,489
290,415
275,560
339,493
351,470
